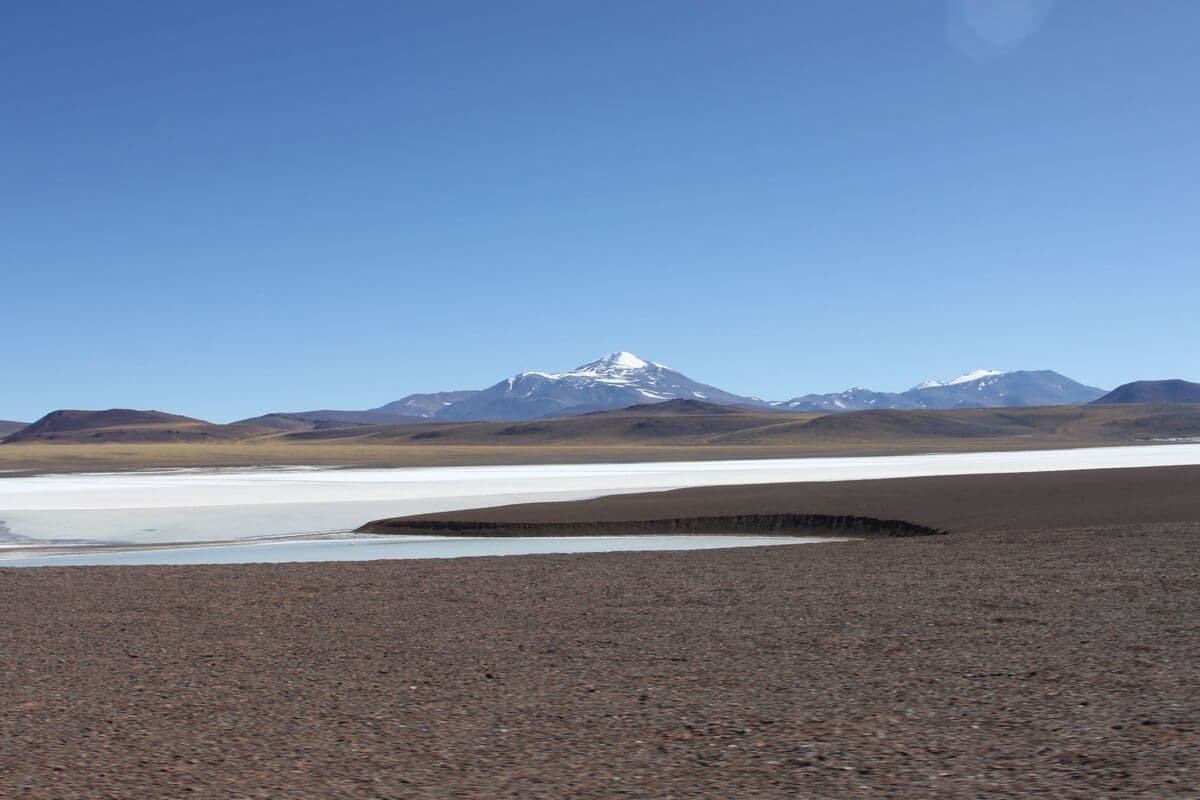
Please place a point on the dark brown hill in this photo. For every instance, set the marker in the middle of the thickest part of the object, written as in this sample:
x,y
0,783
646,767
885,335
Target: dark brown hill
x,y
126,425
1169,391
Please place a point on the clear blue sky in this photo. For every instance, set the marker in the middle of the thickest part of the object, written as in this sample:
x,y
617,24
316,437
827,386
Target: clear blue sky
x,y
224,208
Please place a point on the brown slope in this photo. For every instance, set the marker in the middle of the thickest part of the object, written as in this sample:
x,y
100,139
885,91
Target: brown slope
x,y
8,427
1156,422
676,407
283,422
619,427
1052,425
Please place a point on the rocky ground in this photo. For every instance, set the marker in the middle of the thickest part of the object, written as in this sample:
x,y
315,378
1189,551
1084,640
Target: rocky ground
x,y
1058,663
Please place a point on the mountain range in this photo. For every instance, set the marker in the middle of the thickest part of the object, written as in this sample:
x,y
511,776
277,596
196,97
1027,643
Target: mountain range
x,y
978,389
624,399
622,379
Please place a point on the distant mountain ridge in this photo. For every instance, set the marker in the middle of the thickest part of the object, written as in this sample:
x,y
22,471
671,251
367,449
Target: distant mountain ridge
x,y
1166,391
622,379
618,380
977,389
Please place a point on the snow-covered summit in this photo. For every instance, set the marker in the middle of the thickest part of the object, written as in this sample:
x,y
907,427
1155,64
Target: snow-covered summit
x,y
966,377
621,360
616,368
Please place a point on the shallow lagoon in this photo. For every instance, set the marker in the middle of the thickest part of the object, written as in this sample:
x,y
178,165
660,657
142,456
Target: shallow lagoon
x,y
387,547
201,505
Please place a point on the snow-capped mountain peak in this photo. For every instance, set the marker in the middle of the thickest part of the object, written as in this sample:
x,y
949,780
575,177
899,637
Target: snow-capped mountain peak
x,y
621,360
966,377
617,380
974,375
613,364
615,368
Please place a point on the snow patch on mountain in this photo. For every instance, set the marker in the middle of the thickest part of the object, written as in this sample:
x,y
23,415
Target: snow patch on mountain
x,y
966,377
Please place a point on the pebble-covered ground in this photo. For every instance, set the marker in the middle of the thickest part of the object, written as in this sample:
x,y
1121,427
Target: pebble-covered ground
x,y
1040,663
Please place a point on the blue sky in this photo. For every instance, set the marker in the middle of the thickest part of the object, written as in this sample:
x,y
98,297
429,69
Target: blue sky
x,y
224,208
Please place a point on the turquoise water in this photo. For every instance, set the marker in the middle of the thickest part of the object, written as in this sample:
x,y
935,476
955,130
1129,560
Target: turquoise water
x,y
374,548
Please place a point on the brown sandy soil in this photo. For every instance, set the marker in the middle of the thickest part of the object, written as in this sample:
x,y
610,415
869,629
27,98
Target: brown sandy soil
x,y
1053,664
1058,663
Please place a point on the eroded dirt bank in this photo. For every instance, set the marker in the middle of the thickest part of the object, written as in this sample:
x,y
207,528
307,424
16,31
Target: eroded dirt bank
x,y
749,524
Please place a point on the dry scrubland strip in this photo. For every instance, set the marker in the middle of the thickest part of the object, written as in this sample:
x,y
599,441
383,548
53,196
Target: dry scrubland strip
x,y
34,458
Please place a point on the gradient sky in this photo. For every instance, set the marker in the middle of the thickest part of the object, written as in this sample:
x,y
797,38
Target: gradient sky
x,y
223,208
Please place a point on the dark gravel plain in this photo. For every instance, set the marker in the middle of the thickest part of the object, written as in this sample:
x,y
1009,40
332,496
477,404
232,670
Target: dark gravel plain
x,y
1058,663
